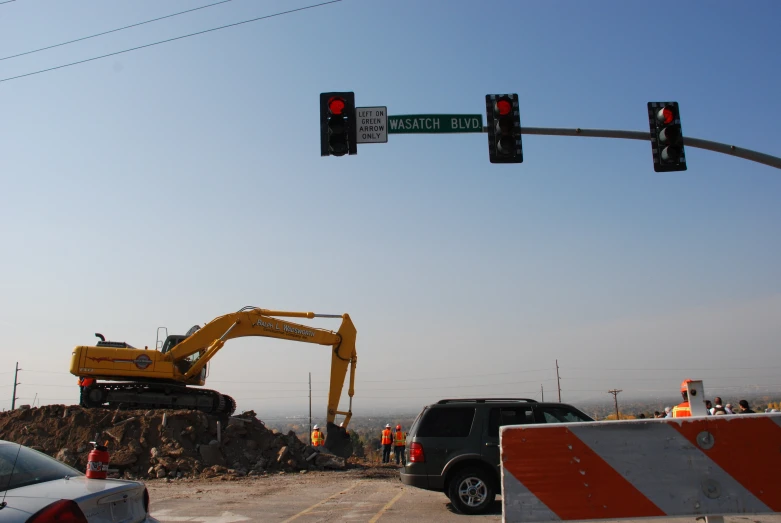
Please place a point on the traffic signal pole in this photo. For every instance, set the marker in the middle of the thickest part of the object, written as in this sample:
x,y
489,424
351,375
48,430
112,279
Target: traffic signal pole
x,y
746,154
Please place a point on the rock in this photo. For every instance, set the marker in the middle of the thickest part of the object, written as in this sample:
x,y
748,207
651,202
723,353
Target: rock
x,y
211,455
160,472
154,452
282,453
135,447
330,461
123,458
252,444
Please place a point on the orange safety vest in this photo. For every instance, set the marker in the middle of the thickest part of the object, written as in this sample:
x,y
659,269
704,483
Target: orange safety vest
x,y
386,436
682,410
317,438
400,439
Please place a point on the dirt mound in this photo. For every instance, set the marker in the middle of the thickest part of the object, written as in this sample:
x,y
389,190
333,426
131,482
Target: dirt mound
x,y
163,443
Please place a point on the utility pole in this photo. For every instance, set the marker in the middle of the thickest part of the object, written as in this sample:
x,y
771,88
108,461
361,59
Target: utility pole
x,y
310,407
542,392
615,392
13,397
558,380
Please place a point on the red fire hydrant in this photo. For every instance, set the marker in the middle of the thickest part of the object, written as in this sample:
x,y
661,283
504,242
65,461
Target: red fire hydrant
x,y
97,462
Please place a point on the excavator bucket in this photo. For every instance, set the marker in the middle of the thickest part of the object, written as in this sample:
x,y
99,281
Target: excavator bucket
x,y
337,441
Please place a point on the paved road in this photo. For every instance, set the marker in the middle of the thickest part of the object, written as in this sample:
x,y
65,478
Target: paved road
x,y
366,496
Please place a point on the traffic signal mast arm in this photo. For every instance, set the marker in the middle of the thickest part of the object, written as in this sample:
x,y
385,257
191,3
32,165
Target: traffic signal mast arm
x,y
746,154
252,321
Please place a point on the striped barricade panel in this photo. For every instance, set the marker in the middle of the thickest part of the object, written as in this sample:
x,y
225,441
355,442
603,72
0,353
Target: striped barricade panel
x,y
715,465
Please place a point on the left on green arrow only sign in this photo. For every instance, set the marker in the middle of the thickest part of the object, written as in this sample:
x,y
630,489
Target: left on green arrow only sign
x,y
371,124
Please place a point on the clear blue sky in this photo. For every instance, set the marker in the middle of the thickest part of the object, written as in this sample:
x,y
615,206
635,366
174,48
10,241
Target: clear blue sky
x,y
176,183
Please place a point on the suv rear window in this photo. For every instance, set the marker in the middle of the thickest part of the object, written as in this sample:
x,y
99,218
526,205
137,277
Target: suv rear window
x,y
448,422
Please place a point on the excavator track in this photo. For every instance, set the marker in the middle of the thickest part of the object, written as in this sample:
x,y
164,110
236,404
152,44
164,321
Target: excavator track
x,y
129,396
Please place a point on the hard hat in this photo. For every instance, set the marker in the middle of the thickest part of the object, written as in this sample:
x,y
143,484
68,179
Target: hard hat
x,y
316,427
398,427
683,385
387,426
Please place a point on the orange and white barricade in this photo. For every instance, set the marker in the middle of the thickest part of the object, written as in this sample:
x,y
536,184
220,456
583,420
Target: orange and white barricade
x,y
699,466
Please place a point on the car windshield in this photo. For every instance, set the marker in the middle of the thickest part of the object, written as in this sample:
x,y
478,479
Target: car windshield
x,y
29,467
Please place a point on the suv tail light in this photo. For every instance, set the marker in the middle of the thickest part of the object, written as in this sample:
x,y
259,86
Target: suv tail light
x,y
146,500
62,511
416,454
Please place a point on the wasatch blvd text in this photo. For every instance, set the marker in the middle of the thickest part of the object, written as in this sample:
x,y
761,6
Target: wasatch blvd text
x,y
436,123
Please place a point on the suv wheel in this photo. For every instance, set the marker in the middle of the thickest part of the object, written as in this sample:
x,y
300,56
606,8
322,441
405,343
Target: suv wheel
x,y
471,491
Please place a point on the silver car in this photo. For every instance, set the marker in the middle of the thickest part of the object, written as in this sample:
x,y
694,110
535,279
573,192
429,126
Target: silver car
x,y
35,488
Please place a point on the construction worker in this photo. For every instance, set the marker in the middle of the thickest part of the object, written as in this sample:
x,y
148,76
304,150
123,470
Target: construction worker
x,y
84,383
387,443
683,410
399,441
318,440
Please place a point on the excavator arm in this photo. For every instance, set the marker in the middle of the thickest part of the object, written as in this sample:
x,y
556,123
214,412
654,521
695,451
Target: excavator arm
x,y
251,321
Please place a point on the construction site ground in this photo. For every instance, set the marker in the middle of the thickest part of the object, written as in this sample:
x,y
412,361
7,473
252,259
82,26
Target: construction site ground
x,y
369,494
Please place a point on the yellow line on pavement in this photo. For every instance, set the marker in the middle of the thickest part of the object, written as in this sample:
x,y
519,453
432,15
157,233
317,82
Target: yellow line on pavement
x,y
379,514
326,500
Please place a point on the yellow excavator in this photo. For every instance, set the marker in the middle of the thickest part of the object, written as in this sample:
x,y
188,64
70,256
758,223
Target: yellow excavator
x,y
167,377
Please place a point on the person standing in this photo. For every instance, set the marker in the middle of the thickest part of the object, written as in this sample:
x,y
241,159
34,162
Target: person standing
x,y
399,441
718,409
744,408
387,443
683,409
84,384
318,440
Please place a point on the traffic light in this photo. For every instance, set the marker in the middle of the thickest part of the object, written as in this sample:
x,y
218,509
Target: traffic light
x,y
504,128
664,118
337,124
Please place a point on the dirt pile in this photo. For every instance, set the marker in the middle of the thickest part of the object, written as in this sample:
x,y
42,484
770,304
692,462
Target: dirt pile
x,y
163,443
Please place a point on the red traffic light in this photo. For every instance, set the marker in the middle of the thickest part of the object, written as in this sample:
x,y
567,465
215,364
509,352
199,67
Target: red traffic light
x,y
336,105
504,106
666,115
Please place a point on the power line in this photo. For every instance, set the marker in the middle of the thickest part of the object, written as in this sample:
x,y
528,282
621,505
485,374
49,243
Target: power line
x,y
668,378
171,39
7,2
114,30
676,368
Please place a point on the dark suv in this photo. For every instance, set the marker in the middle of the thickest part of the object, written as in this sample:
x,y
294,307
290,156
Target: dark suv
x,y
453,445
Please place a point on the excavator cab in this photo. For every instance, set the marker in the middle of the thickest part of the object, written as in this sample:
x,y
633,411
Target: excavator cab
x,y
172,341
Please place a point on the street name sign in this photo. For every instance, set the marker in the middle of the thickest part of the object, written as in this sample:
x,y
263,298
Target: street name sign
x,y
371,124
435,123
